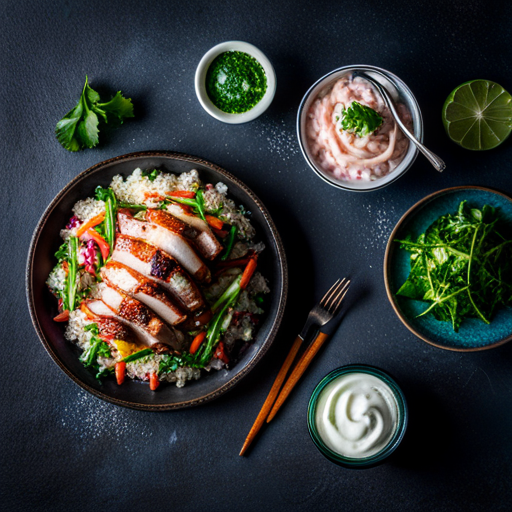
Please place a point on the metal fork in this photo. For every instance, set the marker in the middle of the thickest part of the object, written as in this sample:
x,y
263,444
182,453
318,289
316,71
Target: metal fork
x,y
318,317
322,313
328,307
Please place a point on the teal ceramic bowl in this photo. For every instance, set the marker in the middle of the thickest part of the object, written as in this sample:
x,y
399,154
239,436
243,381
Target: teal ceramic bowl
x,y
473,333
394,441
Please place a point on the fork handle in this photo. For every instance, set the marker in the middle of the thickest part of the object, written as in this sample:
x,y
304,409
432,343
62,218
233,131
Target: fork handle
x,y
297,372
269,402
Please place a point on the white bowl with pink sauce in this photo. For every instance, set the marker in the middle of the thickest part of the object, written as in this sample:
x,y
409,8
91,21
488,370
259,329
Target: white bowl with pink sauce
x,y
343,159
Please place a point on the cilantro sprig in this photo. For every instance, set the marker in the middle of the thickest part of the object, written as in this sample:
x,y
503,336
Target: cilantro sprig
x,y
78,129
360,119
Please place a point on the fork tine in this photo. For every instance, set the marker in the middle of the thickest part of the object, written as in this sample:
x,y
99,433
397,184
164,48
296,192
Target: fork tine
x,y
336,302
328,293
331,292
329,302
338,291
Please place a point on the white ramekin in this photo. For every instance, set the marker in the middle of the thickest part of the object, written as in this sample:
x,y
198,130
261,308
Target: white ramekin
x,y
200,82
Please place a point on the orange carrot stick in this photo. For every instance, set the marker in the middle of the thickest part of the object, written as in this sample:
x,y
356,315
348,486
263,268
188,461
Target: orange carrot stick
x,y
239,262
181,193
62,317
196,343
153,381
153,195
120,372
98,219
248,272
214,222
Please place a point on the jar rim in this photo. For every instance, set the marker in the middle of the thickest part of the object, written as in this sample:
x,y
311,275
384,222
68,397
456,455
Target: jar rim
x,y
377,458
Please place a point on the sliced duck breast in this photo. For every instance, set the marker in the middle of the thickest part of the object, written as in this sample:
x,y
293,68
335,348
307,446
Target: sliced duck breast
x,y
169,241
151,262
111,329
121,337
193,228
150,329
117,275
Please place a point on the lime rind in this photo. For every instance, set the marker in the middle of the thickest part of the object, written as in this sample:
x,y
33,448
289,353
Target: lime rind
x,y
477,115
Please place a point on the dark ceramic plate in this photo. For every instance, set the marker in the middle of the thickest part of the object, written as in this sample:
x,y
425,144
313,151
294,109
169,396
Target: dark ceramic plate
x,y
473,333
43,306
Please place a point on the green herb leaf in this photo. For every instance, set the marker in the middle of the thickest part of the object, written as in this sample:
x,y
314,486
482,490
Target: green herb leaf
x,y
92,328
97,348
78,129
66,127
62,252
151,175
87,130
360,119
118,107
171,362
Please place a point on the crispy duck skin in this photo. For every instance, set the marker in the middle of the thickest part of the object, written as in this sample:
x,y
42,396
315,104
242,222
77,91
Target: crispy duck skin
x,y
119,276
151,262
188,225
114,332
169,241
111,329
148,328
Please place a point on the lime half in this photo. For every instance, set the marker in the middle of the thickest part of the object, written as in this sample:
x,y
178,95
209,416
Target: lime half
x,y
477,115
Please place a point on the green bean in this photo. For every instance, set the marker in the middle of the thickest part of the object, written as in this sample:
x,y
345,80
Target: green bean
x,y
72,271
233,288
214,329
230,243
200,204
138,355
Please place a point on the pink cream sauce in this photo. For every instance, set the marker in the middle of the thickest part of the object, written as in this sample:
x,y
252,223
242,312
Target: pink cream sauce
x,y
346,156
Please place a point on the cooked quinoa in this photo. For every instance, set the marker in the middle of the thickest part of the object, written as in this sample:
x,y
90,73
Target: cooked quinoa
x,y
151,189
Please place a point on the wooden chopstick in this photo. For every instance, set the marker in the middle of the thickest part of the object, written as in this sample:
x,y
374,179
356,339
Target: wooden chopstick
x,y
262,416
297,372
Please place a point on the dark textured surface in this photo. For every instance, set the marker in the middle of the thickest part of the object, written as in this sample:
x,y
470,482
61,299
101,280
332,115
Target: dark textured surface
x,y
63,449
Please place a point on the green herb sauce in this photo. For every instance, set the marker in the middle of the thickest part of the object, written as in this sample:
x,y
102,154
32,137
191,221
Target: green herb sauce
x,y
235,82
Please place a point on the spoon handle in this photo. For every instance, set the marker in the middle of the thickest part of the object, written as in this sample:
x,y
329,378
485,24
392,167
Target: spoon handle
x,y
436,161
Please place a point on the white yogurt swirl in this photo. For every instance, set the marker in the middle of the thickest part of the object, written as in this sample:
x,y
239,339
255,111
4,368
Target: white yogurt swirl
x,y
356,415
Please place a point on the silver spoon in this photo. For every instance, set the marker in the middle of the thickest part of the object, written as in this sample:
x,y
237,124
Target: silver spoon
x,y
437,162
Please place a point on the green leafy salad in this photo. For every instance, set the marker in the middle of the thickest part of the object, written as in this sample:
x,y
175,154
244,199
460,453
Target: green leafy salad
x,y
461,266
